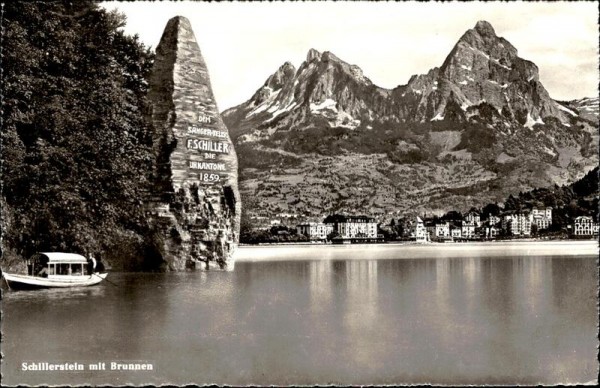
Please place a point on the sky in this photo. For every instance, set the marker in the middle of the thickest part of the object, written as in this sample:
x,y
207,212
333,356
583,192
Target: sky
x,y
244,43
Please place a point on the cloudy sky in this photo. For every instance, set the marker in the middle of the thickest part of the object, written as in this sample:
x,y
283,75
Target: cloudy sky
x,y
244,43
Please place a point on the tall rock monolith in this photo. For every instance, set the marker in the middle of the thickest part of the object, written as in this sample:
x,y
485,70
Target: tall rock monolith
x,y
195,203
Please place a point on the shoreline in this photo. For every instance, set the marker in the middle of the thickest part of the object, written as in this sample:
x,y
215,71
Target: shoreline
x,y
431,243
377,251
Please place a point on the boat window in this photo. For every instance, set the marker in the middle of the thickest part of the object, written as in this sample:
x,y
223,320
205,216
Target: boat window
x,y
51,269
63,269
76,269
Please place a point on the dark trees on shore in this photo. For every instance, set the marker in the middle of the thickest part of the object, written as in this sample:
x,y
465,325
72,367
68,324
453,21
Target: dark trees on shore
x,y
75,143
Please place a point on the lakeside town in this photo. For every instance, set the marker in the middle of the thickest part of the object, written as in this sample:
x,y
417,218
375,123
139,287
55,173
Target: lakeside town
x,y
558,212
452,227
527,215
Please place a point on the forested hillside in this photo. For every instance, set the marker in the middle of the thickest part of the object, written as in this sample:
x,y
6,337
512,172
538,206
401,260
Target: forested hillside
x,y
75,144
568,202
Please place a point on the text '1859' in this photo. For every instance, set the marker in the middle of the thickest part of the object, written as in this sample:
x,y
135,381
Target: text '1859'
x,y
210,178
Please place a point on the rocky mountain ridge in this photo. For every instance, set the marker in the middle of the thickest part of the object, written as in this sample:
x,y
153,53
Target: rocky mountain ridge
x,y
475,128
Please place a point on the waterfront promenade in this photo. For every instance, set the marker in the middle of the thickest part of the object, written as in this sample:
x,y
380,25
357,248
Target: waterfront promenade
x,y
499,249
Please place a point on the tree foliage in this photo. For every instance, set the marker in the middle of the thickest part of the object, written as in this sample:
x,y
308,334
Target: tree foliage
x,y
568,202
75,141
273,235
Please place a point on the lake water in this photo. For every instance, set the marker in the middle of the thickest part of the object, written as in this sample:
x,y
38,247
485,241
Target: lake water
x,y
320,315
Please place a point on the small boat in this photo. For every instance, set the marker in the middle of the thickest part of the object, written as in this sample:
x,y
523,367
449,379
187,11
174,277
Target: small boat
x,y
56,269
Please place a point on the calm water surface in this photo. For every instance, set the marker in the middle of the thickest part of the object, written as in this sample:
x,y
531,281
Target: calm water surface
x,y
329,320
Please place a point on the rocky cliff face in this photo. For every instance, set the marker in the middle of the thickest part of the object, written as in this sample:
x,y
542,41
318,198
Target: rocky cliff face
x,y
324,138
195,205
483,67
291,97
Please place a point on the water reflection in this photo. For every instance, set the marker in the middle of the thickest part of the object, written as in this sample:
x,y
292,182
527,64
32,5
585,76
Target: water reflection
x,y
441,320
360,314
472,277
31,296
321,285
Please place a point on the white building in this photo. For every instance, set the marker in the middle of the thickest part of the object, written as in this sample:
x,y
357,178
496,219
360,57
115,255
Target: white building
x,y
455,232
467,230
517,224
585,226
493,220
442,230
547,213
473,218
352,226
471,222
315,230
419,231
542,218
491,231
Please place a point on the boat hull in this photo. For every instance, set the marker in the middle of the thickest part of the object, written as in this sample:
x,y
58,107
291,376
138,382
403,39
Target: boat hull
x,y
28,282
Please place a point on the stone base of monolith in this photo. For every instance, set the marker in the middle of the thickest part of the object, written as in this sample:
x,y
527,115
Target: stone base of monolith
x,y
197,229
194,204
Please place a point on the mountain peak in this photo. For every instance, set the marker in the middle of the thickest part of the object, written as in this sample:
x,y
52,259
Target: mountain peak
x,y
313,54
483,37
484,28
329,56
288,69
482,67
281,76
485,67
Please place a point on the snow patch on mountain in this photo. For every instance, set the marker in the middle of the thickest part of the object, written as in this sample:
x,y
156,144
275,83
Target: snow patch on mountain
x,y
327,104
276,111
569,111
336,118
497,62
480,52
267,103
345,120
531,122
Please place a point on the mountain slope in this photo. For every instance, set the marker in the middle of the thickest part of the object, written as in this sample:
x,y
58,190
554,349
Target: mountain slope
x,y
324,138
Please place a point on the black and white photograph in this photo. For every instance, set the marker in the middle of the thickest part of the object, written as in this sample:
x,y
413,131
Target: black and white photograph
x,y
299,193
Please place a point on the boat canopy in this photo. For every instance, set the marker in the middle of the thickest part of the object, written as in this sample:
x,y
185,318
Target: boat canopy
x,y
60,257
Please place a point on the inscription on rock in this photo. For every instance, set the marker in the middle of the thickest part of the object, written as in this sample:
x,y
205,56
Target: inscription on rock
x,y
203,119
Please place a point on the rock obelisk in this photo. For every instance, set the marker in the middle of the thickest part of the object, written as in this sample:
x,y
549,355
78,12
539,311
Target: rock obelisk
x,y
195,203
